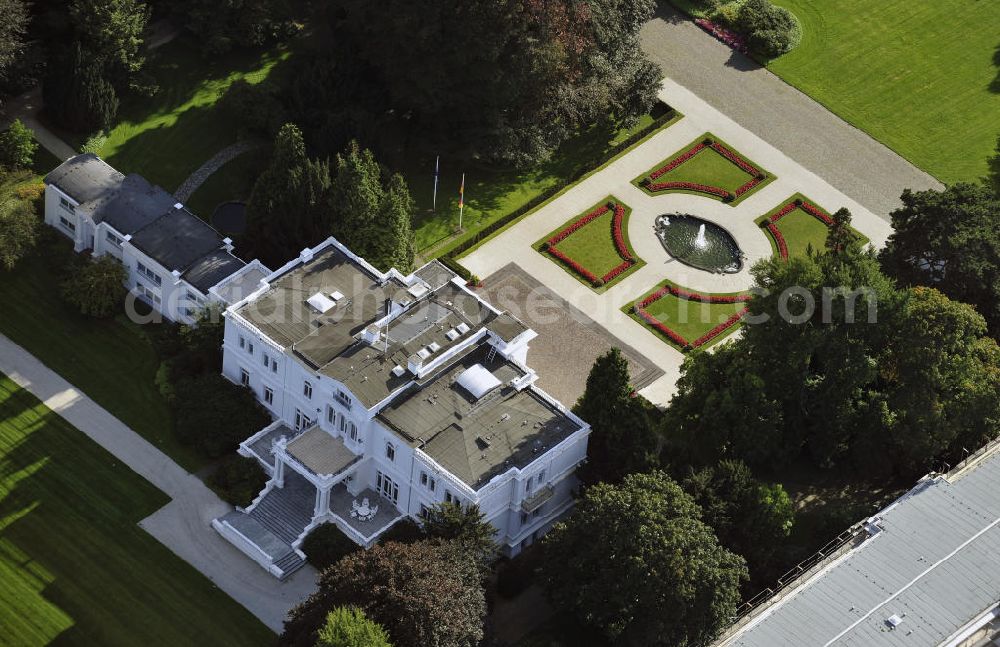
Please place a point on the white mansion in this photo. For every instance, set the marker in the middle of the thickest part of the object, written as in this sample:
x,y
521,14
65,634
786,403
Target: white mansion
x,y
391,394
176,262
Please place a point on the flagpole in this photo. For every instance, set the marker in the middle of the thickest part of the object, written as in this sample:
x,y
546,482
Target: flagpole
x,y
461,202
437,167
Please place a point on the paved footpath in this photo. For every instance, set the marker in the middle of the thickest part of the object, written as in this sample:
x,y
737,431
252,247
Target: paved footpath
x,y
515,244
846,157
183,524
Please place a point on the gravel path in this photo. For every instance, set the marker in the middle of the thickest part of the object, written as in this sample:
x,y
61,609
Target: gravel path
x,y
789,120
196,179
183,525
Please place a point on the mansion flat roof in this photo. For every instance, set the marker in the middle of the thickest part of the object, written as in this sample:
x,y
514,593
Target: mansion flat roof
x,y
320,452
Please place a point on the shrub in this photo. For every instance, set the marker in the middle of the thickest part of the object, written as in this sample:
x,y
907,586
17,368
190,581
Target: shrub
x,y
96,287
253,107
164,382
350,627
771,31
214,415
238,480
326,545
404,531
94,143
17,146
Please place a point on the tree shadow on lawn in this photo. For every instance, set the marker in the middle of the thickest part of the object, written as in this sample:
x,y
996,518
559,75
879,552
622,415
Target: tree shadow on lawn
x,y
995,84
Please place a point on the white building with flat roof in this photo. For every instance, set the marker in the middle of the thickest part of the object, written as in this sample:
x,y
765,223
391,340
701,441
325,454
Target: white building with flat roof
x,y
390,394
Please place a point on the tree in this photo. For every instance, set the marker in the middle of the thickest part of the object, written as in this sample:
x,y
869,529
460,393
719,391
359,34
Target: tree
x,y
214,415
19,223
14,19
510,79
96,287
771,31
17,146
636,562
949,240
111,33
77,95
287,210
623,439
841,239
993,174
371,219
221,26
424,593
466,525
326,545
350,627
238,480
751,518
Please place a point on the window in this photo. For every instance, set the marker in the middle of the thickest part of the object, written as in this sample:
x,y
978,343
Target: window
x,y
146,293
250,347
301,420
67,224
390,451
67,205
268,395
307,389
385,486
343,398
267,360
524,518
331,415
424,511
149,274
244,377
274,365
540,477
449,498
243,341
433,484
423,478
113,239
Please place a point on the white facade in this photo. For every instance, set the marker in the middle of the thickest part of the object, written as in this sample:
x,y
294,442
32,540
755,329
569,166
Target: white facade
x,y
522,502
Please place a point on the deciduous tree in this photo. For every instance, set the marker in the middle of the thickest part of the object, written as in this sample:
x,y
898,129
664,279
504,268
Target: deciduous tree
x,y
13,27
424,593
636,562
214,415
465,525
350,627
17,146
97,286
19,223
111,32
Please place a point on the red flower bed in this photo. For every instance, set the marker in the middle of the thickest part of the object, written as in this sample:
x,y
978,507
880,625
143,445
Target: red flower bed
x,y
728,153
674,336
690,186
723,35
809,208
617,236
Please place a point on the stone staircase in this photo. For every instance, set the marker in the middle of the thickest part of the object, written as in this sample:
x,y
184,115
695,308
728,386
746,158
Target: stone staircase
x,y
289,564
286,511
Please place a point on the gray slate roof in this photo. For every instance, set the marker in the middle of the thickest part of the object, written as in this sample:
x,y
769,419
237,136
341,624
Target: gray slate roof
x,y
136,204
85,178
212,268
177,240
935,564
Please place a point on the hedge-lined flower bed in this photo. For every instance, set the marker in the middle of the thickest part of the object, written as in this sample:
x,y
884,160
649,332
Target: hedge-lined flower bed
x,y
640,309
723,35
771,222
550,245
757,175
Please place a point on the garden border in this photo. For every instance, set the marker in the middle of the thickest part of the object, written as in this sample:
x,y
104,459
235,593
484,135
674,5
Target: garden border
x,y
619,239
769,221
638,309
759,176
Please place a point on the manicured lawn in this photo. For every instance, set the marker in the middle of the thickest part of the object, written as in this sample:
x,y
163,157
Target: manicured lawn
x,y
593,246
800,230
232,182
707,167
688,318
921,77
492,192
75,569
112,361
168,136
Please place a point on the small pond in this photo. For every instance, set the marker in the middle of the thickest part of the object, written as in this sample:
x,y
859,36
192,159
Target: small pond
x,y
230,218
699,243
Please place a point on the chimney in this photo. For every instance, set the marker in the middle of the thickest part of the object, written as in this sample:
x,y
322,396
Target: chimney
x,y
306,255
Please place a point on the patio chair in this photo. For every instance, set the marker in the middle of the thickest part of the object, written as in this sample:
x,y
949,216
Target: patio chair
x,y
374,511
354,505
364,502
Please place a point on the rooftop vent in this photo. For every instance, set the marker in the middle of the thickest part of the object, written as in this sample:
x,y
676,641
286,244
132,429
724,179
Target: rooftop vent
x,y
178,205
477,381
434,347
336,295
320,302
398,370
452,334
482,443
893,621
424,353
414,363
462,328
418,290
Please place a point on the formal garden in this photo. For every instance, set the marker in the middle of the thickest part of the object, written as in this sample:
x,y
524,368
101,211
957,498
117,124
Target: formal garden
x,y
594,247
709,167
797,227
686,319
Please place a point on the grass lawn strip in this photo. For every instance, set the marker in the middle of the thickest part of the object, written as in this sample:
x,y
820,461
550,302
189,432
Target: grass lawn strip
x,y
594,247
113,361
75,566
686,319
709,167
797,226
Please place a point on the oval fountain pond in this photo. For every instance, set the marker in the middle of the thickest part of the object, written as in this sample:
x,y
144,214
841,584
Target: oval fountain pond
x,y
699,243
230,218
